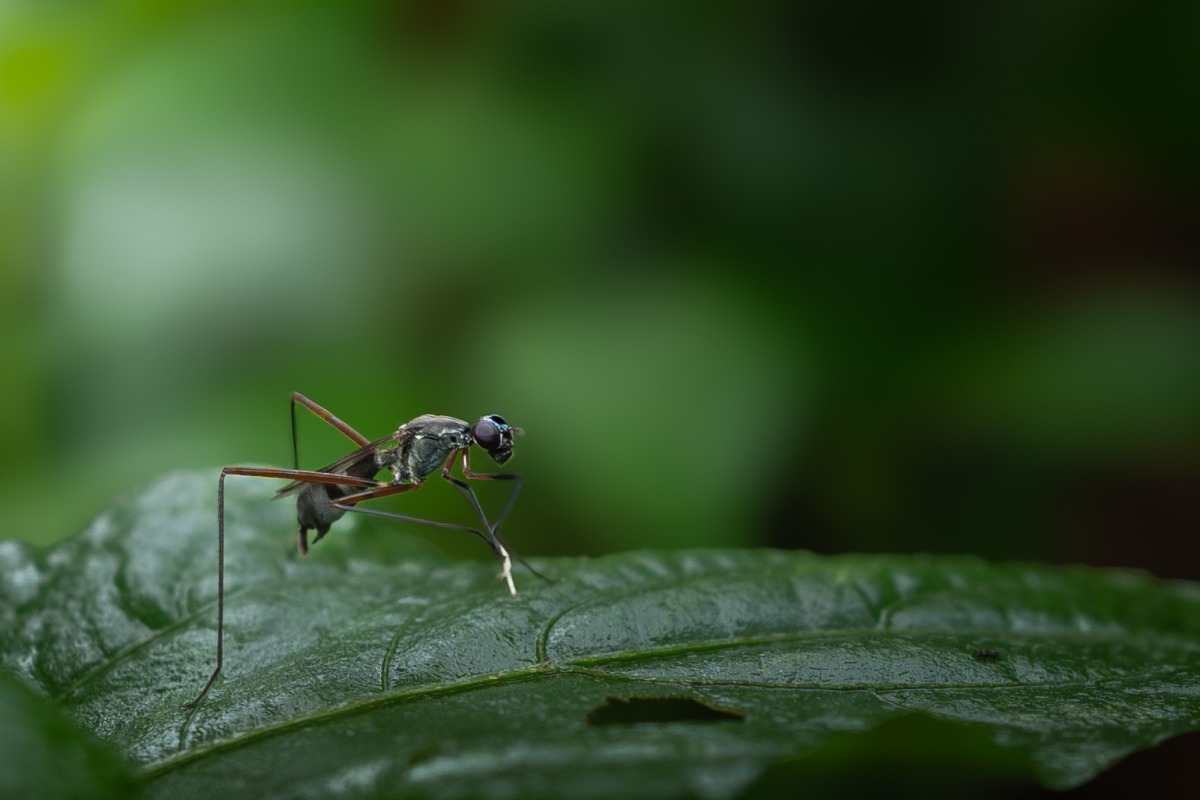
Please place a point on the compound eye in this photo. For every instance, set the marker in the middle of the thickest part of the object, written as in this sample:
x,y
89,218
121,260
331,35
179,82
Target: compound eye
x,y
486,433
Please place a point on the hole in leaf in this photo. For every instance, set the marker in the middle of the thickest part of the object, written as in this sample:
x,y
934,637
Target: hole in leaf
x,y
632,710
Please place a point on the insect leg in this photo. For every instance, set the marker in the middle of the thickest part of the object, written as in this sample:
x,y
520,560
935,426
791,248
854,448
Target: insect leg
x,y
495,539
324,414
519,481
512,498
306,476
466,491
348,503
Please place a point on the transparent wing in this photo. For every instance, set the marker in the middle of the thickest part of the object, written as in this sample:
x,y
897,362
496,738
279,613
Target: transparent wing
x,y
358,463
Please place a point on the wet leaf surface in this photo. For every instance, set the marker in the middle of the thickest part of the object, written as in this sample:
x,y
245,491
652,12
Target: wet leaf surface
x,y
373,668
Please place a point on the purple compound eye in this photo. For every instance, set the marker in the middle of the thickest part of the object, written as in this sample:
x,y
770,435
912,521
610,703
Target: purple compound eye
x,y
495,436
486,433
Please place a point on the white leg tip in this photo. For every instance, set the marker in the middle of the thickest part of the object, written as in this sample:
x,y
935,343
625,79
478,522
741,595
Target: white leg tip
x,y
506,572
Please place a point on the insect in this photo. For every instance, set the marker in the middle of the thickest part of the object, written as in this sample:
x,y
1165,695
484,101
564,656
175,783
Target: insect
x,y
415,451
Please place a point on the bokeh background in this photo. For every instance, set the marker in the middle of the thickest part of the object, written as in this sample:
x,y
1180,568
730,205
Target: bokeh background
x,y
842,275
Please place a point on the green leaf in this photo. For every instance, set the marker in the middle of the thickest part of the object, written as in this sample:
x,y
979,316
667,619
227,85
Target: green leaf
x,y
46,757
374,669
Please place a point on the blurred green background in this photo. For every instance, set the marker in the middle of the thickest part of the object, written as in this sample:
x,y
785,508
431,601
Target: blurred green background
x,y
841,275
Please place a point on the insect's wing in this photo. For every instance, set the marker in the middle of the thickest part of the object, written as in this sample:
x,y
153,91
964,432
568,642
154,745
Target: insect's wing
x,y
359,463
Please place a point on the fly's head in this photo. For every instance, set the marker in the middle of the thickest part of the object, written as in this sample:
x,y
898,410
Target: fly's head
x,y
495,436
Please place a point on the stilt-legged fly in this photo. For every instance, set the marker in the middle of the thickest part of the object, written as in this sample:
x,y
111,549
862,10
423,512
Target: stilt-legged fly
x,y
412,453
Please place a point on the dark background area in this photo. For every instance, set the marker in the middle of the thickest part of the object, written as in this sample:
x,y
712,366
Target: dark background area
x,y
847,276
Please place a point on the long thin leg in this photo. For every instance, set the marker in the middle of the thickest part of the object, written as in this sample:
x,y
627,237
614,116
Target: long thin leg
x,y
469,493
492,537
349,503
466,491
306,476
512,498
492,541
220,591
324,414
495,476
377,490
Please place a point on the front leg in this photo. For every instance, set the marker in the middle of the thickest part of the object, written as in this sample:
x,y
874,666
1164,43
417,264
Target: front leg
x,y
468,492
350,503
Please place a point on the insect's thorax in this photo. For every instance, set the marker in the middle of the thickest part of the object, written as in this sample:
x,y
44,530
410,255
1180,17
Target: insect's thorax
x,y
424,444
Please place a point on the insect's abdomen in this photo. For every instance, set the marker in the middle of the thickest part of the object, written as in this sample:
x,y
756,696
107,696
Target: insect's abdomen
x,y
315,510
314,503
